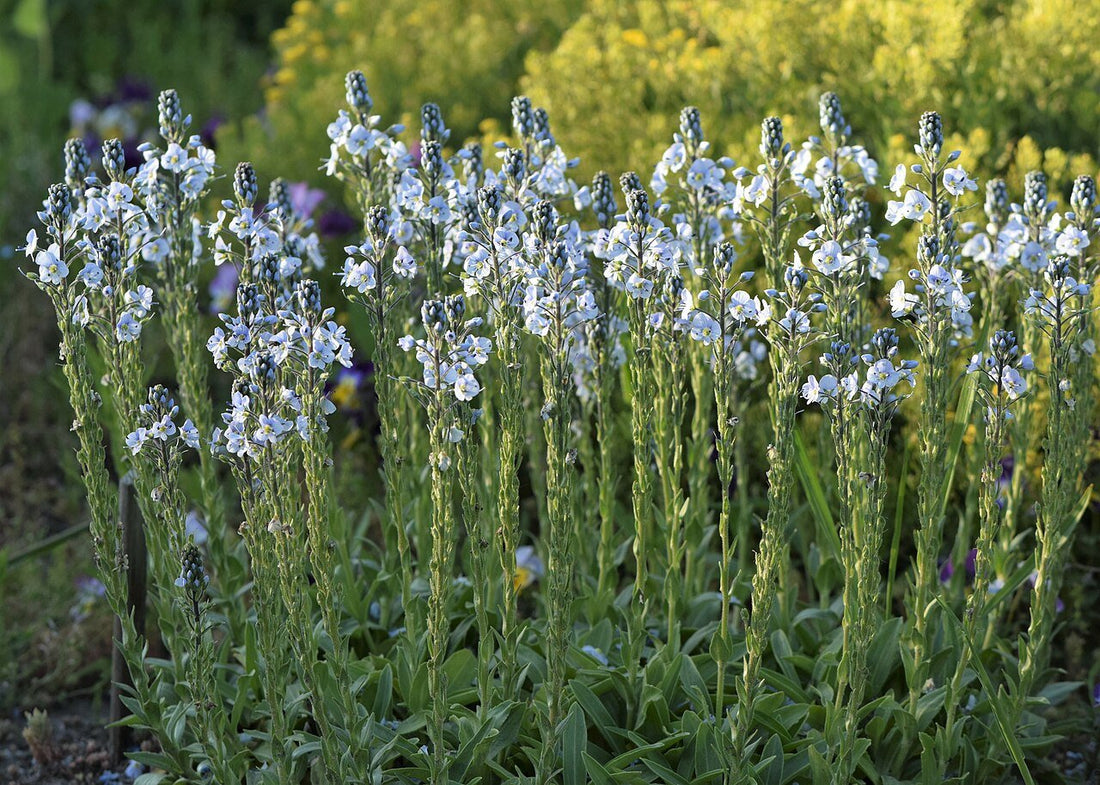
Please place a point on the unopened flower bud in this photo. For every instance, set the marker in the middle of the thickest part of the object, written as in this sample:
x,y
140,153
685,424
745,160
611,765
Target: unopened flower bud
x,y
834,198
523,120
114,159
630,181
771,138
378,224
472,164
307,296
831,116
931,134
170,115
488,203
279,195
637,209
358,96
1035,197
432,128
455,308
996,201
1082,200
59,205
544,218
691,127
433,316
603,198
244,184
77,164
724,257
514,167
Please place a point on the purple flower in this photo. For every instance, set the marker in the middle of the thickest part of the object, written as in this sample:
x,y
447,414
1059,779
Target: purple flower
x,y
223,288
208,131
947,571
130,89
90,587
304,200
346,388
971,559
336,223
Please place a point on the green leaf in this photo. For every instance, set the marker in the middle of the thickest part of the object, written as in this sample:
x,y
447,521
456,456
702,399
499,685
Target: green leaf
x,y
596,711
574,745
596,772
828,539
384,693
1007,732
895,541
152,778
958,431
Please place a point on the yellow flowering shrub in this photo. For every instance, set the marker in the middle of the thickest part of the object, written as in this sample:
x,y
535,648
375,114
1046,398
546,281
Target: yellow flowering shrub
x,y
466,56
997,74
1011,80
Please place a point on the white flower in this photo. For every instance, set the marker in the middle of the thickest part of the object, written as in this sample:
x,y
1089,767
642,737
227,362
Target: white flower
x,y
638,287
1013,383
704,329
32,243
743,307
51,268
897,182
757,190
912,208
955,181
162,429
174,158
466,387
140,301
404,266
537,324
437,211
269,429
359,276
829,258
816,391
1033,257
704,173
1072,241
190,434
883,375
135,440
901,302
128,328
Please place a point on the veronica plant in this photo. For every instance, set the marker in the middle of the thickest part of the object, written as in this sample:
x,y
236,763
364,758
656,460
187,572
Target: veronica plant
x,y
1056,309
173,182
449,353
494,270
555,304
723,311
605,354
696,191
362,153
61,218
939,310
376,276
161,444
1001,384
872,404
789,332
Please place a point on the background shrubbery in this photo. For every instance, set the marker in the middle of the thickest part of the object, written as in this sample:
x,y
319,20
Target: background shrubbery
x,y
1010,79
